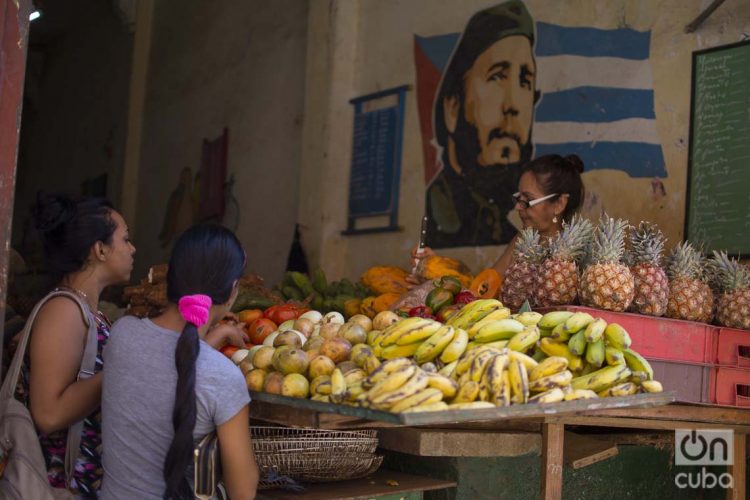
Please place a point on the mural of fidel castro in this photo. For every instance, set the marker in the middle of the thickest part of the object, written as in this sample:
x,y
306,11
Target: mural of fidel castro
x,y
483,116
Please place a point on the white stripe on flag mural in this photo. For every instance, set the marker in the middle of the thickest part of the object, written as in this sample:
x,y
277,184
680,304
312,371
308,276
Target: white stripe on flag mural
x,y
566,72
630,130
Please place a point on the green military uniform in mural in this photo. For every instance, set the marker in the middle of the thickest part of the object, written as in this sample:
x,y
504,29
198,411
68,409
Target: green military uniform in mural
x,y
483,117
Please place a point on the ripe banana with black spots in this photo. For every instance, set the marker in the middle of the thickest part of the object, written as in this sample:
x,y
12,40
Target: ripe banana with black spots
x,y
440,405
321,385
519,381
447,386
580,394
456,346
524,340
501,329
338,386
502,393
551,319
548,366
638,363
614,356
392,381
595,330
435,344
554,395
385,369
602,378
479,364
529,362
578,321
323,398
651,386
467,392
447,370
403,327
385,400
424,397
494,373
399,351
474,405
419,334
624,389
560,379
616,336
595,353
473,312
354,391
552,348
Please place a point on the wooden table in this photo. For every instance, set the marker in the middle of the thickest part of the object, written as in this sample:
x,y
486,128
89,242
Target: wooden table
x,y
644,412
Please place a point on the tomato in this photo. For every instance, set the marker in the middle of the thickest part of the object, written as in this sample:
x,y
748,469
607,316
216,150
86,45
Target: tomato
x,y
228,350
260,329
284,312
464,297
421,311
249,315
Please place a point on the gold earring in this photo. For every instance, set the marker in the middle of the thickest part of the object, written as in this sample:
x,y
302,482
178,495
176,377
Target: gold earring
x,y
554,219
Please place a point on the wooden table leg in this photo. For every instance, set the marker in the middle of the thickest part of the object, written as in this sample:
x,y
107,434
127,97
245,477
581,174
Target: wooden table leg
x,y
739,468
552,460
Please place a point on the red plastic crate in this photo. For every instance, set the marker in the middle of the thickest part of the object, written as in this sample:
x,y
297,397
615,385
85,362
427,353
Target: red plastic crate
x,y
732,387
662,338
734,348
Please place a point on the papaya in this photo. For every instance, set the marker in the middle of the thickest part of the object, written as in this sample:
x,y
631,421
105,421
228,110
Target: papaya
x,y
486,285
385,301
386,279
352,307
436,266
367,307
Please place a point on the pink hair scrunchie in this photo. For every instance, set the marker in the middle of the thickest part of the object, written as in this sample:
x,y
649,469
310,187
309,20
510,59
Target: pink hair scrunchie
x,y
194,308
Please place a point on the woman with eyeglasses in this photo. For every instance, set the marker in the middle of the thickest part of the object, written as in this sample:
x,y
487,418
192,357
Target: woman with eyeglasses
x,y
550,191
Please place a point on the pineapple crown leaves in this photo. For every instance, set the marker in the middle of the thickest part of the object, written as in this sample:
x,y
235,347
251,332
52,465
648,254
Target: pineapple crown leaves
x,y
608,244
730,273
528,247
570,243
684,261
646,244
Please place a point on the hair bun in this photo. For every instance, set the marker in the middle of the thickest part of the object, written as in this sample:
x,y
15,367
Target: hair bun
x,y
52,211
575,162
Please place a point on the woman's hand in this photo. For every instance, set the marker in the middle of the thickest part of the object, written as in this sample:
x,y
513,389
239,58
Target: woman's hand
x,y
417,254
226,333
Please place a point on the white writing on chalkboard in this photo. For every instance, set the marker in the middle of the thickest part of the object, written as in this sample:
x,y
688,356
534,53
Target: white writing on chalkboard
x,y
719,215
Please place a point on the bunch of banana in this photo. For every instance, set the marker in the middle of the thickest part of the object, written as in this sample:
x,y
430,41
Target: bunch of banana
x,y
477,310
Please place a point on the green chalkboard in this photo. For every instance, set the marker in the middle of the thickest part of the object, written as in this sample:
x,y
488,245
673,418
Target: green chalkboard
x,y
718,190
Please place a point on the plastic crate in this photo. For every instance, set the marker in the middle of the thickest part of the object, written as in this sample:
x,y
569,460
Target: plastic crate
x,y
732,387
733,348
662,338
693,383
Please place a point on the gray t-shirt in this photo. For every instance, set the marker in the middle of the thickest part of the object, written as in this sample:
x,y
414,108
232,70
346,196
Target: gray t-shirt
x,y
138,398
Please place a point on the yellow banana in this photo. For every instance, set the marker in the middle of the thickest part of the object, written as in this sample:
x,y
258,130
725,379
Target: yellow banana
x,y
429,367
474,405
354,376
494,373
595,353
447,386
580,394
321,385
456,346
500,329
552,348
524,340
385,369
624,389
502,394
479,364
614,356
392,381
372,336
385,400
440,405
473,312
595,330
638,363
529,362
560,334
548,366
578,321
396,330
467,392
447,370
424,397
551,319
639,377
577,344
551,396
435,344
519,381
501,313
323,398
560,379
419,334
652,386
338,386
399,351
465,361
498,344
354,391
602,378
528,318
617,336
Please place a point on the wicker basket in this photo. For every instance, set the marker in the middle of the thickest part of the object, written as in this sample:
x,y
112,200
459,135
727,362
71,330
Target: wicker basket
x,y
315,455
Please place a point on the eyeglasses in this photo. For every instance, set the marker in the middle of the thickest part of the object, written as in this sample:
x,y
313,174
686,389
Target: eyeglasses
x,y
530,203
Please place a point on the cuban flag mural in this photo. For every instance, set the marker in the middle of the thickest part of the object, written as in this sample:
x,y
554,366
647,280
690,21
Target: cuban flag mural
x,y
508,89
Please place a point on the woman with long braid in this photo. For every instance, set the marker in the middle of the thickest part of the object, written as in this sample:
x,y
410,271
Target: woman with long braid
x,y
165,388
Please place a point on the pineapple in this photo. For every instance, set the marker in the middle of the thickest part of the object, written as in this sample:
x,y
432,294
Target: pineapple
x,y
521,277
607,283
651,283
733,308
558,275
690,297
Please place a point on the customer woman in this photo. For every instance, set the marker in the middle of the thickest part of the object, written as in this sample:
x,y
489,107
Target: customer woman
x,y
87,248
550,191
164,389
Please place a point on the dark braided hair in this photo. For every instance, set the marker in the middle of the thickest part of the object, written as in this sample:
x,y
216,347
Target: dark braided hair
x,y
206,259
562,175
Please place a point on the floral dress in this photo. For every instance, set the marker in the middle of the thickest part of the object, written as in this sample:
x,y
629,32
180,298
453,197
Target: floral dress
x,y
87,477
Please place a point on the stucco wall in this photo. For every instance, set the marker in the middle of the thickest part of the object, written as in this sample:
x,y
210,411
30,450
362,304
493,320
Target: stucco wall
x,y
358,47
234,64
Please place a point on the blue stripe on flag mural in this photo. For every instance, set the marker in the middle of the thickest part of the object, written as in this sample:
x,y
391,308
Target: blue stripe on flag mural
x,y
554,40
638,159
438,48
595,105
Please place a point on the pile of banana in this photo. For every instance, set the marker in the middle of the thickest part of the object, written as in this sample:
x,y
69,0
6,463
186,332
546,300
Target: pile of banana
x,y
485,357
